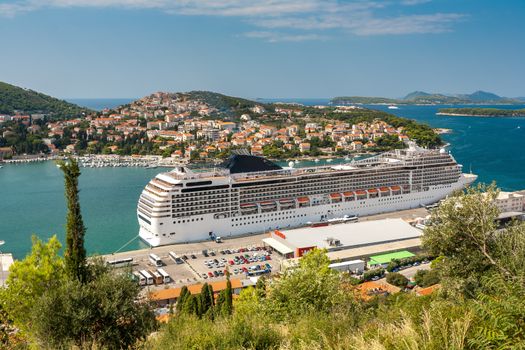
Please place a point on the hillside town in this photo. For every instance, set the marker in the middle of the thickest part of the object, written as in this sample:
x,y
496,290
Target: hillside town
x,y
185,129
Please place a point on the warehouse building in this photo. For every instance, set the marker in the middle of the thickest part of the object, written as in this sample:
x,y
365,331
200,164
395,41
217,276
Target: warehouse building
x,y
347,241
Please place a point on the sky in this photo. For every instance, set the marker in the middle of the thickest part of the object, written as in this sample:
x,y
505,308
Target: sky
x,y
263,48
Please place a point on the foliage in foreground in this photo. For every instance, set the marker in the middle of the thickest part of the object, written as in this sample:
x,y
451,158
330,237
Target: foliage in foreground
x,y
313,308
55,312
61,303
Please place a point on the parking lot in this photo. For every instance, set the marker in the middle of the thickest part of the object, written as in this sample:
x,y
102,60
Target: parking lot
x,y
210,263
240,261
239,255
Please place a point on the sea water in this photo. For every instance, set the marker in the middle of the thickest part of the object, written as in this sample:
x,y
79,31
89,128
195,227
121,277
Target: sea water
x,y
32,195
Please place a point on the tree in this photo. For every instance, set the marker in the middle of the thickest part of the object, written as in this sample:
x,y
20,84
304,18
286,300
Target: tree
x,y
426,278
463,231
75,254
227,308
101,313
397,279
184,293
312,287
41,270
219,305
260,287
205,299
190,305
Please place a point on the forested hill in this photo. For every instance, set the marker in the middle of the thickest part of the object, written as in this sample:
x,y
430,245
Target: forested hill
x,y
14,98
220,101
482,112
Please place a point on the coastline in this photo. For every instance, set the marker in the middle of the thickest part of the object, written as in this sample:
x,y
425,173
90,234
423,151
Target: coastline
x,y
478,115
441,131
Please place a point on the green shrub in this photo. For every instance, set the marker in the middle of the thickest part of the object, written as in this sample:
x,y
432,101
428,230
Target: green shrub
x,y
368,275
397,279
425,278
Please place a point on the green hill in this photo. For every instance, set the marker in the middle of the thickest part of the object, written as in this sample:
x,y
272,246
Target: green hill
x,y
221,102
416,94
420,97
14,98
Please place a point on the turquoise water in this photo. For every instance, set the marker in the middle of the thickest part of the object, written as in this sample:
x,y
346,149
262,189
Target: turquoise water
x,y
493,147
32,200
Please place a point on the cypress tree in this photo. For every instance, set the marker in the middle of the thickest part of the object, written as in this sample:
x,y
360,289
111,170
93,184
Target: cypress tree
x,y
204,299
260,287
190,306
75,253
228,298
184,292
210,295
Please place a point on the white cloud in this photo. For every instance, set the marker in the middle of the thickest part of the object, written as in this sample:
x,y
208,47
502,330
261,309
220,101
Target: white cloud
x,y
307,19
276,37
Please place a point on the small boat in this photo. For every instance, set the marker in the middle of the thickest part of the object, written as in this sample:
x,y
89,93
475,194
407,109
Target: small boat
x,y
329,160
393,107
346,218
316,160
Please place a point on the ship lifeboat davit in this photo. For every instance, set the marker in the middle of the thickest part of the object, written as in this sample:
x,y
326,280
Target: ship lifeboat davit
x,y
349,196
361,194
395,189
248,207
286,203
303,201
335,197
385,191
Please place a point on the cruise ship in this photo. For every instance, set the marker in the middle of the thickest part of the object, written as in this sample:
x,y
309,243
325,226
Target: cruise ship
x,y
250,194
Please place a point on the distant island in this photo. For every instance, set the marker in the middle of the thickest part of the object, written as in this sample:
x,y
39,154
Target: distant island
x,y
481,112
424,98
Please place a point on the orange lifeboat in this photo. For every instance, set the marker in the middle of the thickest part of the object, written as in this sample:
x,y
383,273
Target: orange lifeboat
x,y
303,199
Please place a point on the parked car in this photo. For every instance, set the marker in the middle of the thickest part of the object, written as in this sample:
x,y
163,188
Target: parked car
x,y
193,256
210,274
216,273
184,257
204,276
231,262
244,269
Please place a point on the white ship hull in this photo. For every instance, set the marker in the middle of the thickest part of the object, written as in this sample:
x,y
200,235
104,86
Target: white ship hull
x,y
200,228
